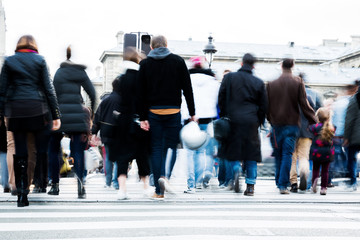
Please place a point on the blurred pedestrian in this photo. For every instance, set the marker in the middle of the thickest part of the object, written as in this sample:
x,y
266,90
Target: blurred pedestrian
x,y
105,122
132,142
352,138
205,90
68,81
4,173
246,109
322,149
286,97
338,167
163,77
26,97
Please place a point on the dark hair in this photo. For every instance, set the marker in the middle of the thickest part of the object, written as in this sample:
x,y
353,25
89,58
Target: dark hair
x,y
249,59
68,52
116,84
131,54
27,42
288,63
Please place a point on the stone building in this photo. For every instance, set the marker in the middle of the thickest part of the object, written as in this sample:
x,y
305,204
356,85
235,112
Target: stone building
x,y
327,67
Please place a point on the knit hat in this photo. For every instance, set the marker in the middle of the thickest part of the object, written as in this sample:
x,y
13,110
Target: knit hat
x,y
197,62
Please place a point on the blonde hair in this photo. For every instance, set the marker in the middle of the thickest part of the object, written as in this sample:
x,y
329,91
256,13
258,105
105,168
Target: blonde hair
x,y
327,132
27,42
158,41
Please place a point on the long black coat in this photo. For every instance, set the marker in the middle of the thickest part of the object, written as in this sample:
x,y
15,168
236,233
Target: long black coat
x,y
246,109
68,80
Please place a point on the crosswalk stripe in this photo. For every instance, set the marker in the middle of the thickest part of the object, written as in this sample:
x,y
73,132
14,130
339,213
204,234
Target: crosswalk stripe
x,y
214,237
229,213
179,223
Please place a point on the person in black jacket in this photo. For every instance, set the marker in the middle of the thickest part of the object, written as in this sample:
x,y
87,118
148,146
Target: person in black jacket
x,y
27,98
163,77
105,122
246,109
68,81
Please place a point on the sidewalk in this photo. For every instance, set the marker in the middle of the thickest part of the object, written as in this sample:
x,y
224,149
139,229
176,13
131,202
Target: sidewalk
x,y
265,192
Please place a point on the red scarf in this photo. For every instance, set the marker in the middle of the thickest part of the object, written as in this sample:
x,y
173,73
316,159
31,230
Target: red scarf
x,y
27,50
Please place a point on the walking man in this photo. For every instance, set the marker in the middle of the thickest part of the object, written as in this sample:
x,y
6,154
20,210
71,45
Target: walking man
x,y
163,77
286,97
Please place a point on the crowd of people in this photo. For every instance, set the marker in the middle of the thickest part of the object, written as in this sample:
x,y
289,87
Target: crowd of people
x,y
142,117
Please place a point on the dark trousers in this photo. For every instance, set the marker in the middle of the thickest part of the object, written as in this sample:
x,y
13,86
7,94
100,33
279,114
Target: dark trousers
x,y
352,162
41,142
324,172
164,130
54,153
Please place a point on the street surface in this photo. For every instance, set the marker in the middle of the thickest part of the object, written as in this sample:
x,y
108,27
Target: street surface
x,y
211,213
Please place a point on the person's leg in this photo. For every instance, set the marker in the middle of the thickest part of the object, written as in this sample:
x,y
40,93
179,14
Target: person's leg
x,y
31,157
315,175
114,180
304,153
172,162
108,167
77,146
10,160
352,164
288,145
190,168
293,170
20,167
4,172
250,179
54,164
251,172
324,174
157,135
42,147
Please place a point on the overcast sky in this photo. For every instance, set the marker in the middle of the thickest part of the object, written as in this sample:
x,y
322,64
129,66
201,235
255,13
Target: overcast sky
x,y
90,26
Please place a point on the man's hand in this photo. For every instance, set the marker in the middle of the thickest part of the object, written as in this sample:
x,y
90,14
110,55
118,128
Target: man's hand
x,y
193,118
56,125
145,125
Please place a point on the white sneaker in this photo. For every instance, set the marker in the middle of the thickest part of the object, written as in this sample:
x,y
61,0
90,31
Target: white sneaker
x,y
148,192
190,191
121,195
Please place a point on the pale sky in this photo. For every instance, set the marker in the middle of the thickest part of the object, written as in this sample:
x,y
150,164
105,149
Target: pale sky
x,y
90,26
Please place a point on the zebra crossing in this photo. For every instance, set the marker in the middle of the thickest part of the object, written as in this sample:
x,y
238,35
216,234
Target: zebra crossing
x,y
161,220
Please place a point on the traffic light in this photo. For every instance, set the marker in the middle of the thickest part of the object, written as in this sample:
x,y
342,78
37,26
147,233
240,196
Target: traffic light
x,y
145,43
139,40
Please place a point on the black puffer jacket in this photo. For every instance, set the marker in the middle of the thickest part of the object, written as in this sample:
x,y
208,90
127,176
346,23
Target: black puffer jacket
x,y
68,80
25,76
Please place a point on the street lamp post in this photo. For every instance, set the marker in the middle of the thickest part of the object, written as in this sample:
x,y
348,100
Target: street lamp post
x,y
209,51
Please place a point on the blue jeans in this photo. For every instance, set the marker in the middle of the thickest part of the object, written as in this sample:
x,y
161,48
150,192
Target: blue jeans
x,y
352,163
339,165
284,139
110,170
4,170
200,162
164,130
171,163
250,168
225,172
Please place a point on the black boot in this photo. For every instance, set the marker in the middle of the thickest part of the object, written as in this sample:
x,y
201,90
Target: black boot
x,y
54,189
237,184
249,190
40,174
81,189
21,181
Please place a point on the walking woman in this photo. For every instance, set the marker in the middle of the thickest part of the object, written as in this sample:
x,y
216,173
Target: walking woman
x,y
28,100
68,80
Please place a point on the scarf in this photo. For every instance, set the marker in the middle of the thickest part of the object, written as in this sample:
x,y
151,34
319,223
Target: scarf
x,y
27,50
